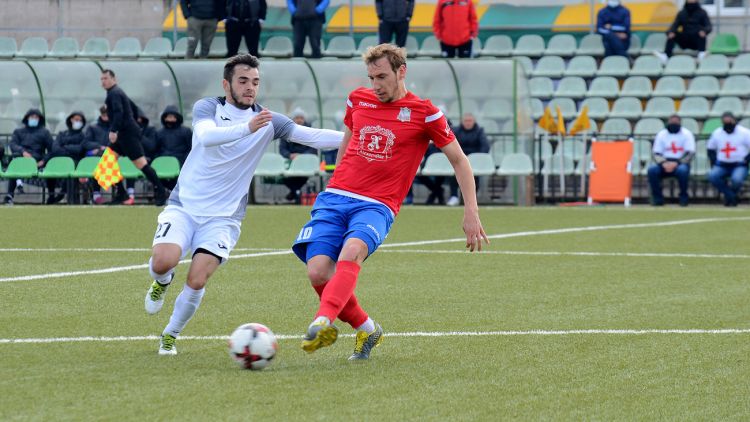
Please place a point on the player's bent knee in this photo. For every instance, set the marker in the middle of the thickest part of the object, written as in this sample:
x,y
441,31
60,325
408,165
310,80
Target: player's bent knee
x,y
162,262
354,250
318,274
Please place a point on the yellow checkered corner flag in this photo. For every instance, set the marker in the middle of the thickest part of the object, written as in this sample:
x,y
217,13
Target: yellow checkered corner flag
x,y
107,172
582,122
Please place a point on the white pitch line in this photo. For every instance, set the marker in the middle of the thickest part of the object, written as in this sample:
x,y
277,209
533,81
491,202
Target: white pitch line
x,y
721,331
557,253
114,249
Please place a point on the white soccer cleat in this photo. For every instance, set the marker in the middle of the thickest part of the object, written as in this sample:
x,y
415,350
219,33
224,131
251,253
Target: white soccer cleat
x,y
453,201
166,345
155,297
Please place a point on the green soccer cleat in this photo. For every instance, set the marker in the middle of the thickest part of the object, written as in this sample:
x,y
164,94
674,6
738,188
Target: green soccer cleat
x,y
155,296
366,342
321,333
166,345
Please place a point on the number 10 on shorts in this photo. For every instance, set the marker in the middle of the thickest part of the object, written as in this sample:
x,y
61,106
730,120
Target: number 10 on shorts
x,y
305,233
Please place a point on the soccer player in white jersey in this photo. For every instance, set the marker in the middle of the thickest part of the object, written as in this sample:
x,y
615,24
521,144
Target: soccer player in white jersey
x,y
206,208
729,153
674,148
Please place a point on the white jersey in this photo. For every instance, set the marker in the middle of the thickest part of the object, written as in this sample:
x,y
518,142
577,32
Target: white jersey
x,y
730,147
216,176
674,146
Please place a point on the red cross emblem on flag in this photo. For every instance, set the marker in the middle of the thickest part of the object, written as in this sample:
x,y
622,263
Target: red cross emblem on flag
x,y
676,149
728,149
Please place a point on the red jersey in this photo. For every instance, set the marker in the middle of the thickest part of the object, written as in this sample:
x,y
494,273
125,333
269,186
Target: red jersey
x,y
387,145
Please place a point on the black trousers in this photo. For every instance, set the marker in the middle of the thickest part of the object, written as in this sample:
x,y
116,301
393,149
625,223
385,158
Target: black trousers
x,y
235,30
307,28
386,31
691,41
450,51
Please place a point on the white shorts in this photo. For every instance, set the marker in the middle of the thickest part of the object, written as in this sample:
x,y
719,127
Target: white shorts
x,y
217,235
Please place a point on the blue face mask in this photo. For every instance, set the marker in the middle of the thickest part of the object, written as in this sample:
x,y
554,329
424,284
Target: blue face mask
x,y
33,122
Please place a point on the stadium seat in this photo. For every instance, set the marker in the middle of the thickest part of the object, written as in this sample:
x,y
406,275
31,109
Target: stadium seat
x,y
680,66
515,164
574,148
636,86
157,47
724,44
472,106
218,47
437,164
8,47
58,168
482,164
33,48
604,86
649,66
598,107
278,47
738,85
724,104
64,48
627,108
430,47
128,169
497,108
616,66
7,126
583,66
20,168
703,86
695,107
561,45
571,87
616,127
700,165
648,127
304,165
567,107
691,124
526,63
97,47
635,46
541,87
271,165
713,65
549,66
530,45
642,150
591,45
669,86
745,122
180,48
341,46
497,46
368,41
710,125
741,65
55,111
412,46
166,167
128,47
537,108
553,164
476,47
655,42
659,107
86,167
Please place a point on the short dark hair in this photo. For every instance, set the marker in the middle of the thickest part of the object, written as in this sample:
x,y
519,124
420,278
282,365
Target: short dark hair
x,y
675,116
728,114
103,109
109,72
246,59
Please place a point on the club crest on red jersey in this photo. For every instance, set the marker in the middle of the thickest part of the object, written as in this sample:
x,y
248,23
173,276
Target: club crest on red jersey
x,y
404,115
375,143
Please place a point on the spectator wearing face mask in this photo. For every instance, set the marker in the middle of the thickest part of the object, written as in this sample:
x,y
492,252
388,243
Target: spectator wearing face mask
x,y
689,30
729,154
613,23
674,148
69,143
33,140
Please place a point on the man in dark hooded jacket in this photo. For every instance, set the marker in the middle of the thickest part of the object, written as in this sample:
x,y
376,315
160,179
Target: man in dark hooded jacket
x,y
69,143
173,139
32,140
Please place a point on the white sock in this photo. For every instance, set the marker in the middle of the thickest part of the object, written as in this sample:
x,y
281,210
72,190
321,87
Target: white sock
x,y
368,326
131,191
162,279
97,195
321,318
185,305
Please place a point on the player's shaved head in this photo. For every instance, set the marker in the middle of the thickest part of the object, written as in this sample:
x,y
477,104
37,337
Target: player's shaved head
x,y
396,55
247,60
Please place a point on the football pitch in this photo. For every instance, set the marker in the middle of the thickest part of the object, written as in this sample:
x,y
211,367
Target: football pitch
x,y
603,313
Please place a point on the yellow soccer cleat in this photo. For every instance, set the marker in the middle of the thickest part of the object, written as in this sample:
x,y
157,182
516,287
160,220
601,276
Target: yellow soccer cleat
x,y
321,333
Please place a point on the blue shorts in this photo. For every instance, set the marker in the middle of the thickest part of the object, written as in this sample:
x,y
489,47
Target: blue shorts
x,y
336,218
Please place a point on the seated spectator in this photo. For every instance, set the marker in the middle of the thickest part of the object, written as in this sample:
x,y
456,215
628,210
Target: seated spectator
x,y
95,141
32,140
613,23
729,154
472,139
689,30
148,136
290,150
674,148
69,143
173,139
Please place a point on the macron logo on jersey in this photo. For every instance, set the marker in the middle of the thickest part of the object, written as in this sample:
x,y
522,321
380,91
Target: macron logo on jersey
x,y
364,104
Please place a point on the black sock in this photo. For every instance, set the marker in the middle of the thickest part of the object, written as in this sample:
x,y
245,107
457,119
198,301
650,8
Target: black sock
x,y
152,177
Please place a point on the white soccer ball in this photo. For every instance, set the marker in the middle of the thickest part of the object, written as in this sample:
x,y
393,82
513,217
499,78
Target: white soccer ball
x,y
253,346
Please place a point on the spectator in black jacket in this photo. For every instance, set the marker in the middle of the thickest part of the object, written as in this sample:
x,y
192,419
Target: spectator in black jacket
x,y
308,17
202,17
32,140
244,19
173,139
69,143
148,136
95,141
472,139
290,150
393,19
689,30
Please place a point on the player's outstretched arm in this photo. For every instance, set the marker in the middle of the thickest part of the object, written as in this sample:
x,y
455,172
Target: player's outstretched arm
x,y
285,128
465,177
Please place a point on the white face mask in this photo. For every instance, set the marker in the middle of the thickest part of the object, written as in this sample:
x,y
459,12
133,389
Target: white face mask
x,y
613,3
33,122
77,125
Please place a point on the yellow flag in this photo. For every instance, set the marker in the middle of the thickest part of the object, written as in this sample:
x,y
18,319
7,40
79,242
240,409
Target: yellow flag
x,y
582,122
560,121
547,122
107,172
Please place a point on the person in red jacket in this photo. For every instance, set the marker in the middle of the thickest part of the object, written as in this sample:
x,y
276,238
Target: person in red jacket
x,y
455,26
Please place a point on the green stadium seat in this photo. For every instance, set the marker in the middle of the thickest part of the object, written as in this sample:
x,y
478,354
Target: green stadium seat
x,y
649,66
437,164
304,165
97,47
515,164
180,48
541,87
616,66
636,86
497,46
549,66
591,45
86,167
571,87
648,127
58,168
430,47
741,65
724,44
412,46
128,169
33,48
710,125
20,168
635,46
64,48
680,66
627,108
482,164
530,45
655,42
127,47
278,47
526,64
537,108
703,86
554,164
616,128
738,85
695,107
342,47
271,165
669,86
574,148
701,165
598,107
642,150
157,47
604,86
218,48
567,107
8,47
659,107
724,104
691,124
713,65
166,167
583,66
368,41
745,122
561,45
497,108
476,47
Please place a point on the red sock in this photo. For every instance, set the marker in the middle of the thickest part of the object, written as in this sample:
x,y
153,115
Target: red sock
x,y
353,314
338,290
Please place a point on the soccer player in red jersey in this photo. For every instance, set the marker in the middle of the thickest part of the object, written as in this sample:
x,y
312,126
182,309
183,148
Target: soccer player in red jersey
x,y
387,133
